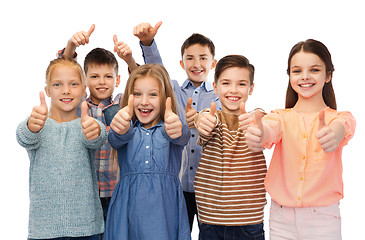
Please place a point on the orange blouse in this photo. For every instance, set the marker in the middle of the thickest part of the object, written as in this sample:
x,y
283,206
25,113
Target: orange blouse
x,y
301,174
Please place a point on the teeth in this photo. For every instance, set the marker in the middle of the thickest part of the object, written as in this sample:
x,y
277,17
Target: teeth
x,y
66,100
144,110
233,98
307,85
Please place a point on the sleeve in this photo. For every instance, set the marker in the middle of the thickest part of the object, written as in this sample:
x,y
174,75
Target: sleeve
x,y
60,54
272,128
117,141
27,138
98,142
349,123
151,54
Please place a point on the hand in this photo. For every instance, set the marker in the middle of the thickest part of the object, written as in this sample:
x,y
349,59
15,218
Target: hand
x,y
122,49
255,133
121,121
82,38
39,115
146,33
190,114
327,136
173,125
90,127
207,121
245,119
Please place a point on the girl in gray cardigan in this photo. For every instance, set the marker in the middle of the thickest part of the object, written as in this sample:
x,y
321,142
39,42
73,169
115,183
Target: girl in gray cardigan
x,y
63,188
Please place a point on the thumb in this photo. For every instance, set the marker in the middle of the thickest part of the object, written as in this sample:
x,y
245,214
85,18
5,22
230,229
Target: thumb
x,y
258,119
212,109
115,38
243,107
130,104
42,99
84,114
188,104
157,26
91,30
168,109
321,118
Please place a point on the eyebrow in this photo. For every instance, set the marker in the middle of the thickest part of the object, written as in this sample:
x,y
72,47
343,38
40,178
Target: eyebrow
x,y
200,55
315,65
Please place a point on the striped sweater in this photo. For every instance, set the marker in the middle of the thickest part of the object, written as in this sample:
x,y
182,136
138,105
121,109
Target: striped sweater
x,y
229,183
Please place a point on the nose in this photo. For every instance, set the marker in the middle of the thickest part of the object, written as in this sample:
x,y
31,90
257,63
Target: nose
x,y
305,75
233,88
196,62
66,89
144,100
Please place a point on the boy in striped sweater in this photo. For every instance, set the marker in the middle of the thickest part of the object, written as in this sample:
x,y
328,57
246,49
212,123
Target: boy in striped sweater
x,y
229,183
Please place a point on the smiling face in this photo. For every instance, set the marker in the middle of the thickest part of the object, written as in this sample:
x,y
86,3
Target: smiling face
x,y
147,101
307,76
233,87
197,62
101,80
65,89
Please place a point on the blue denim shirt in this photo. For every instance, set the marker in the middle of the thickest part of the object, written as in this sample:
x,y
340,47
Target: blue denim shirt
x,y
202,98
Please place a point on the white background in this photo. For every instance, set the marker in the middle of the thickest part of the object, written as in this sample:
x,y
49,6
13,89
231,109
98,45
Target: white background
x,y
263,31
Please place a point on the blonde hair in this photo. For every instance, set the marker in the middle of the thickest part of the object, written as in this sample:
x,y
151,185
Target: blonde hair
x,y
159,73
63,61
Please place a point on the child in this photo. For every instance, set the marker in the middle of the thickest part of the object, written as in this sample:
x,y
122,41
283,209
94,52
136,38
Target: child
x,y
305,174
101,70
147,202
197,54
229,183
63,188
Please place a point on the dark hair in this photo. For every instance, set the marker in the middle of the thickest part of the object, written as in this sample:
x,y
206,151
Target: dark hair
x,y
100,56
319,49
233,61
197,38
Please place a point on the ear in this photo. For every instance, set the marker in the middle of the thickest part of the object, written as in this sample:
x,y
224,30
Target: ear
x,y
251,89
329,77
46,90
215,88
214,63
117,81
83,90
182,64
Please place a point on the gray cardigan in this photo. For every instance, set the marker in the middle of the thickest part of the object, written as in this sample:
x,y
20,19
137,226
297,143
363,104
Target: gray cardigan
x,y
63,188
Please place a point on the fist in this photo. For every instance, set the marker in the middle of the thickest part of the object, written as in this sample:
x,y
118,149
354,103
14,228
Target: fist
x,y
173,125
121,121
207,121
39,115
90,127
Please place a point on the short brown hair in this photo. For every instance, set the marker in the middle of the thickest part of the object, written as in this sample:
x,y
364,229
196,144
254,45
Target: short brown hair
x,y
100,56
234,61
197,38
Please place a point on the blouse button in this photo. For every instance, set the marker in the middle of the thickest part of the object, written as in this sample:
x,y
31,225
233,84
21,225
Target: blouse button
x,y
147,147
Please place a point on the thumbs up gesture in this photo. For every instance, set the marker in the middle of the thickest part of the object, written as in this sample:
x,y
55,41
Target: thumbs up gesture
x,y
245,119
82,38
329,136
190,113
121,121
90,127
255,133
207,121
173,125
146,33
39,115
122,49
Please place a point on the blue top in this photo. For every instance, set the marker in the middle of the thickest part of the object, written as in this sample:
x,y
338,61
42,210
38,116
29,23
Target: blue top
x,y
63,188
202,98
147,202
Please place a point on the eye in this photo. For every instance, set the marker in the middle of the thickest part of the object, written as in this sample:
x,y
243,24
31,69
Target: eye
x,y
110,76
243,84
74,84
189,58
137,94
295,71
315,70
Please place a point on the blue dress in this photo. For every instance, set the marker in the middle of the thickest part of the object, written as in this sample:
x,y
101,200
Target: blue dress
x,y
148,202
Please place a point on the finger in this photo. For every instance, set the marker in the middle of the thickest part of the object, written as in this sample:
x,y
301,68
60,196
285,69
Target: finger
x,y
130,104
91,30
243,107
157,26
212,109
321,118
84,114
168,109
188,104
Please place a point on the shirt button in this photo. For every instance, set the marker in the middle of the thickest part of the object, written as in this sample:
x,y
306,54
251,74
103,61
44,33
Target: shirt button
x,y
192,135
299,198
192,150
196,92
301,178
304,136
147,134
304,157
191,168
194,103
146,162
147,147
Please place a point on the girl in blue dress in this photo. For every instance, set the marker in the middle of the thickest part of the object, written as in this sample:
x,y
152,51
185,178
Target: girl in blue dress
x,y
149,137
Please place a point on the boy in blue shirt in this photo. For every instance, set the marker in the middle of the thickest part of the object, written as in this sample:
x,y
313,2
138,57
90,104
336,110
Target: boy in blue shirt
x,y
197,53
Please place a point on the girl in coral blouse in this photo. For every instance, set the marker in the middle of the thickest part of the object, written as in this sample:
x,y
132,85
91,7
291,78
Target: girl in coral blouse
x,y
305,174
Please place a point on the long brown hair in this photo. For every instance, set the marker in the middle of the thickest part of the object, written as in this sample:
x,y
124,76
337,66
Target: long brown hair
x,y
319,49
159,73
